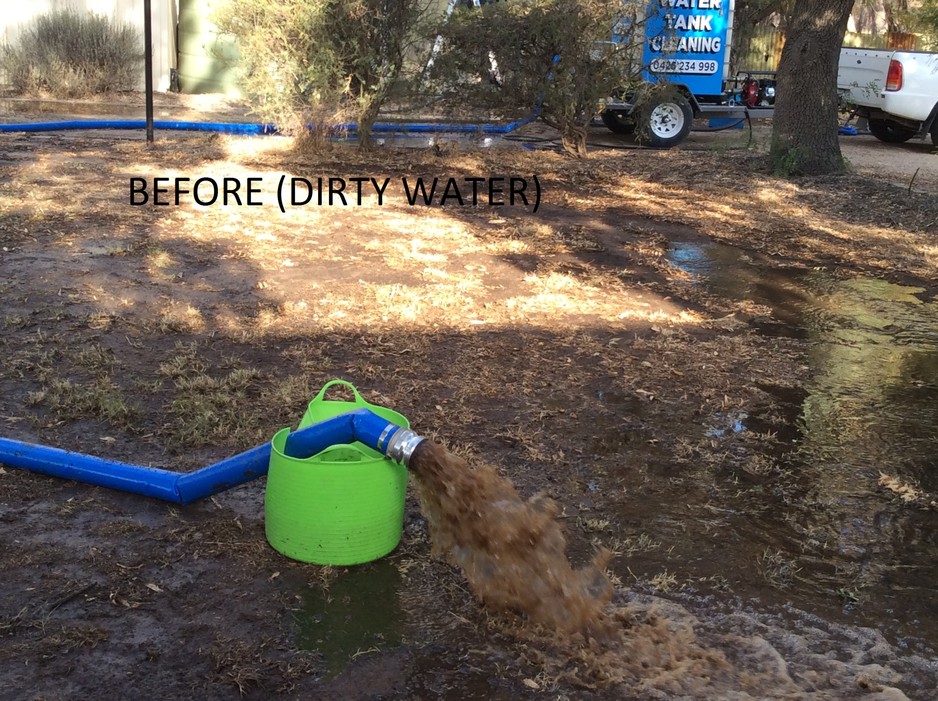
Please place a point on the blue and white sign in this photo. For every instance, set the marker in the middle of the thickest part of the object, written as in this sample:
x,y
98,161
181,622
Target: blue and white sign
x,y
686,42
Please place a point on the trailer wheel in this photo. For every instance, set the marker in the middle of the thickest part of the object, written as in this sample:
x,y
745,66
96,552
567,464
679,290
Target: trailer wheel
x,y
618,121
890,132
934,133
666,121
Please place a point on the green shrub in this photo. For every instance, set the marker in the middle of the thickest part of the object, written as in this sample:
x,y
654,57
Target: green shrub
x,y
322,61
513,55
67,53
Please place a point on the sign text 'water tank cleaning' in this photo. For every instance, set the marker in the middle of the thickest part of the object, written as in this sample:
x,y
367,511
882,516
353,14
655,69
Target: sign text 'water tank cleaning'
x,y
687,37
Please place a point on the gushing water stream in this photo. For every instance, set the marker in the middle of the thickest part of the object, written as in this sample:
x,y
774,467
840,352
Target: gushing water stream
x,y
513,553
868,404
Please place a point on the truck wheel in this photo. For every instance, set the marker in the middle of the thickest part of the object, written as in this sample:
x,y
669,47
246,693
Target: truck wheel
x,y
890,132
618,121
665,121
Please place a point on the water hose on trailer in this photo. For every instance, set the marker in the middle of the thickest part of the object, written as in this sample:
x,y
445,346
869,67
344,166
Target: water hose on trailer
x,y
364,426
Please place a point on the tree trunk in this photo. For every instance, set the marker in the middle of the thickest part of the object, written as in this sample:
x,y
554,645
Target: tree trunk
x,y
574,142
896,10
370,107
804,133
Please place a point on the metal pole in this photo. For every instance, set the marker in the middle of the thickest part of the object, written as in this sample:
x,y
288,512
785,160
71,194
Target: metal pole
x,y
148,66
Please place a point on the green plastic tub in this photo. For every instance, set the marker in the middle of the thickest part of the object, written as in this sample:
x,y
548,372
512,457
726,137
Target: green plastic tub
x,y
343,506
321,409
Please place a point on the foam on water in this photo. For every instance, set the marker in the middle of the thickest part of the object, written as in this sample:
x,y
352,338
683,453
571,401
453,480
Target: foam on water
x,y
576,627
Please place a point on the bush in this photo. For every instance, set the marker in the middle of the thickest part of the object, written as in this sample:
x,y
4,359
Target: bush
x,y
925,19
67,53
322,61
556,53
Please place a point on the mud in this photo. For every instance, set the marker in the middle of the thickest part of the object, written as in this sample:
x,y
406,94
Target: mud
x,y
865,417
716,420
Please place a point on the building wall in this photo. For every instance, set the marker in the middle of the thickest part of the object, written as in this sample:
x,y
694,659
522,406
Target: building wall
x,y
16,14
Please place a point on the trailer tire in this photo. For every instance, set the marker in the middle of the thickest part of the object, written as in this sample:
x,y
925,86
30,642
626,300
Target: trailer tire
x,y
665,121
889,132
618,121
934,133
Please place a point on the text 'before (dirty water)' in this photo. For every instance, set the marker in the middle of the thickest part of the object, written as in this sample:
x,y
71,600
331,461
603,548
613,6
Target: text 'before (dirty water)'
x,y
334,191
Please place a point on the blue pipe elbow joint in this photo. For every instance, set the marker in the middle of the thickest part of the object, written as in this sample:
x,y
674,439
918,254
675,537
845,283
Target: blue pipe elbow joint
x,y
394,441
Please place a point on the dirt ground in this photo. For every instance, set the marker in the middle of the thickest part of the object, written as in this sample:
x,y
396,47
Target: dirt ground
x,y
911,165
559,345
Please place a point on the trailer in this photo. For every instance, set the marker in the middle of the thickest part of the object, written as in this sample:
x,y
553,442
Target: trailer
x,y
686,74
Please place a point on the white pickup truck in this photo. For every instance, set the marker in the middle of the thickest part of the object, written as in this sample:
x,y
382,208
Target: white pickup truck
x,y
896,91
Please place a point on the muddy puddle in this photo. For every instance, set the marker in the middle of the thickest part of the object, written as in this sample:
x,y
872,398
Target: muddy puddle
x,y
860,431
571,624
817,578
359,612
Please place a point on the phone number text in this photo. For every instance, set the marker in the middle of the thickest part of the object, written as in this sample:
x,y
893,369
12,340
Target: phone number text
x,y
671,65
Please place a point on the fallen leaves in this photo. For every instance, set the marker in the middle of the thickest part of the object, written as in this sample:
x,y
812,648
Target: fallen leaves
x,y
908,493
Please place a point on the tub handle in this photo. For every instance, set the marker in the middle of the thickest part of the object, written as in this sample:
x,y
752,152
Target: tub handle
x,y
358,397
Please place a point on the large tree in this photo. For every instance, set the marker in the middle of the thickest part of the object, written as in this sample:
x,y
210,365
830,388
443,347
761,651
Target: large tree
x,y
896,14
804,133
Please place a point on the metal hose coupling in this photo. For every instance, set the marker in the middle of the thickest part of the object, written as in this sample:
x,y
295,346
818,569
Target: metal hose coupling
x,y
401,446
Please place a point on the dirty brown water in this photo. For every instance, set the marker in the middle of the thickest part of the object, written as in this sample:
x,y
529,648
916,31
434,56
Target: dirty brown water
x,y
512,551
852,617
576,628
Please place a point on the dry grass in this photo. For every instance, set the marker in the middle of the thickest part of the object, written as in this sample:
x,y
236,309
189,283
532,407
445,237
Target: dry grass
x,y
560,346
70,401
909,493
851,219
664,582
777,570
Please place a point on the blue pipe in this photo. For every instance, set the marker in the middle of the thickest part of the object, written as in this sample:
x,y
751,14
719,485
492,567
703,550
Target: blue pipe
x,y
432,128
184,488
262,129
215,127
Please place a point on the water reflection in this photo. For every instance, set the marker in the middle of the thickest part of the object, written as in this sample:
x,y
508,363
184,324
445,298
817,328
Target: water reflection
x,y
871,407
356,611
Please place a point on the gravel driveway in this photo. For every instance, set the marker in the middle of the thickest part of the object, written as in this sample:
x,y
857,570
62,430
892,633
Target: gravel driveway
x,y
898,163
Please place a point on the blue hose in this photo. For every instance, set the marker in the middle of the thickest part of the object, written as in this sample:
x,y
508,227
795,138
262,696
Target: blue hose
x,y
264,129
184,488
433,128
214,127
